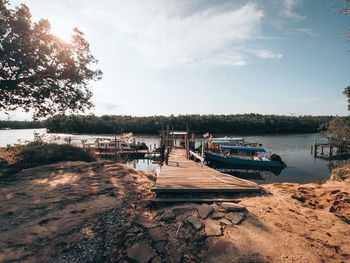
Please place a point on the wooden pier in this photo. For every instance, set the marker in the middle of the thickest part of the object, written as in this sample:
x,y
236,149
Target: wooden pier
x,y
185,176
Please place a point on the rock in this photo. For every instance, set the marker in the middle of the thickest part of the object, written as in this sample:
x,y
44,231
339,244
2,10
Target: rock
x,y
195,222
232,207
157,234
157,260
212,228
235,218
217,215
146,222
141,252
225,221
218,208
168,215
179,210
160,246
175,255
204,210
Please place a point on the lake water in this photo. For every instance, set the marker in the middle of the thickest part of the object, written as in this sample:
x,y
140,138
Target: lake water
x,y
294,150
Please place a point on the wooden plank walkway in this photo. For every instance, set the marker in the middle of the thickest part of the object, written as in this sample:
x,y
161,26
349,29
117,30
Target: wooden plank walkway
x,y
185,176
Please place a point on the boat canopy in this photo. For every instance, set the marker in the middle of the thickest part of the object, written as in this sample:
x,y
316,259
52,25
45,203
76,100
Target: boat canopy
x,y
222,140
243,148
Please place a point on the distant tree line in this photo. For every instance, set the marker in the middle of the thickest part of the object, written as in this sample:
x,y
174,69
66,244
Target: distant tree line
x,y
22,124
234,124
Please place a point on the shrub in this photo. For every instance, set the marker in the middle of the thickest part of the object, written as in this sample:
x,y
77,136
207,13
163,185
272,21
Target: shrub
x,y
339,174
35,154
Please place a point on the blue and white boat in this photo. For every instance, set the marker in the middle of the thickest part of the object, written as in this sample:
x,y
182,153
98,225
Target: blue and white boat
x,y
241,155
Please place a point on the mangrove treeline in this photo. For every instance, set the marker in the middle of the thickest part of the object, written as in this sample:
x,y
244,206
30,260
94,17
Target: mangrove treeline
x,y
234,124
22,124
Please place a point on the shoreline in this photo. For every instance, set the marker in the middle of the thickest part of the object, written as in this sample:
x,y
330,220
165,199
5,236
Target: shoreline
x,y
101,211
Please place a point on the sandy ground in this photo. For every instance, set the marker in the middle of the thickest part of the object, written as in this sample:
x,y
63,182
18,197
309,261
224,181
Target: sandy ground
x,y
101,212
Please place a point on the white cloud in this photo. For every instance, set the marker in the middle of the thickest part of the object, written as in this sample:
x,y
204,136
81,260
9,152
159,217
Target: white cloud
x,y
308,32
289,6
176,33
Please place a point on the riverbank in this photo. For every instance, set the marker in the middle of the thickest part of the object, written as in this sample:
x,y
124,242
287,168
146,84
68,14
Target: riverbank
x,y
101,212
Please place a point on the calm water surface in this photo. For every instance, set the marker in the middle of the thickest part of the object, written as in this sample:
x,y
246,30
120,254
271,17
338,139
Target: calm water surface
x,y
294,150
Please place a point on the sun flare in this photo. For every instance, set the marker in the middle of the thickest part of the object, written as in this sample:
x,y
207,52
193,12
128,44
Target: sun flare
x,y
64,31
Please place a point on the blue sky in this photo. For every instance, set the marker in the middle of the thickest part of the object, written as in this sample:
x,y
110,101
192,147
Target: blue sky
x,y
209,57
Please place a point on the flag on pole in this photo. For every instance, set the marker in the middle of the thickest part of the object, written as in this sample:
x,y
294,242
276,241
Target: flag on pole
x,y
206,135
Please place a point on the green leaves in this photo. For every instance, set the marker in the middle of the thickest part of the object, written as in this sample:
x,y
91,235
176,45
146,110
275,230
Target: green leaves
x,y
40,72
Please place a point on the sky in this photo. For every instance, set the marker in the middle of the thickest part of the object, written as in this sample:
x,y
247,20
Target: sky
x,y
162,57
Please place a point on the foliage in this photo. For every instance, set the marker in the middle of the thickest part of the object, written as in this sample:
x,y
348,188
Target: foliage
x,y
38,152
338,132
346,92
339,174
21,124
46,153
234,124
38,71
345,10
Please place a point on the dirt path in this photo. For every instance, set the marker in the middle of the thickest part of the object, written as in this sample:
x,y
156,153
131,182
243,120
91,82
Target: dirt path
x,y
100,212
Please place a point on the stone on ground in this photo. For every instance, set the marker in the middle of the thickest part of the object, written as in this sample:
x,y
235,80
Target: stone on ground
x,y
217,215
195,222
212,228
232,207
181,209
204,210
158,234
141,252
235,217
146,222
168,215
225,221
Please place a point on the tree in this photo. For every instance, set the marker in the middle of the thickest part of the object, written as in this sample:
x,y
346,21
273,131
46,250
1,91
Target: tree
x,y
338,132
346,92
40,72
345,10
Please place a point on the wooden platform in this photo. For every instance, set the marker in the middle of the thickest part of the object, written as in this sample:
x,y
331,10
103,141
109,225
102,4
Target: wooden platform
x,y
186,176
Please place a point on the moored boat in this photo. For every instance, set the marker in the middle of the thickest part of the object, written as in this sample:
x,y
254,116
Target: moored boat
x,y
124,142
244,156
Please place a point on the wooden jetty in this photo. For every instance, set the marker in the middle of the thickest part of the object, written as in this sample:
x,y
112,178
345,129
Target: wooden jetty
x,y
185,176
328,151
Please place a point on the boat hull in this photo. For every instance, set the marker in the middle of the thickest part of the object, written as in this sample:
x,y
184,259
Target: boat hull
x,y
242,162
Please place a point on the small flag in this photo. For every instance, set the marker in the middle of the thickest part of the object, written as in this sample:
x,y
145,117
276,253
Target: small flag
x,y
206,135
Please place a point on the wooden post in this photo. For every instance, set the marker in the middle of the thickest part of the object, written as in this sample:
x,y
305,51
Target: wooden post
x,y
315,149
193,141
203,151
187,148
172,139
187,142
115,148
329,150
167,137
162,153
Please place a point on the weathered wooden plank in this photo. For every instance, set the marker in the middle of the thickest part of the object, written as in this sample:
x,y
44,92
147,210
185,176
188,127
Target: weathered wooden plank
x,y
199,200
186,176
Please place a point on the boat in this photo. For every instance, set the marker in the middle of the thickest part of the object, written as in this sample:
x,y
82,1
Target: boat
x,y
242,155
124,142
